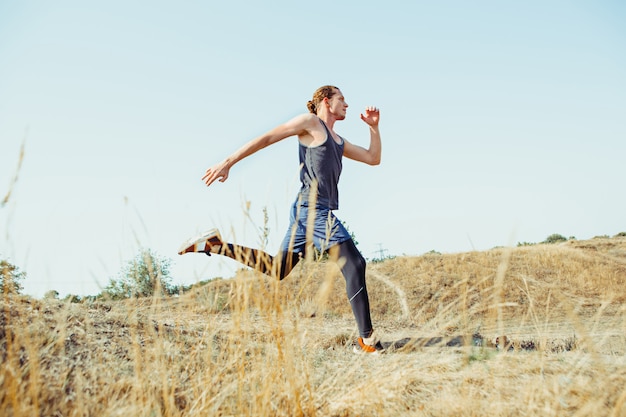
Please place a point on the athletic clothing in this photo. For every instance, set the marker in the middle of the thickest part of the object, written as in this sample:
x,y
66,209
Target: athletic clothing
x,y
327,229
352,267
320,171
353,271
317,198
321,168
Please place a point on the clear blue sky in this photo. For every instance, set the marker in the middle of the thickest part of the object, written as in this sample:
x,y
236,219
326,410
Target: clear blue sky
x,y
501,122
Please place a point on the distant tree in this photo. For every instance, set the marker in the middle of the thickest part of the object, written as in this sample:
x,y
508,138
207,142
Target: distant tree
x,y
620,234
10,278
145,275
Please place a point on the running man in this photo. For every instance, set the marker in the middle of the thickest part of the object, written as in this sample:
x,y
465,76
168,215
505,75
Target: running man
x,y
312,220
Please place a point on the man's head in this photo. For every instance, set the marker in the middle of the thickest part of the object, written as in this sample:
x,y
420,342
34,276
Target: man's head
x,y
330,96
319,95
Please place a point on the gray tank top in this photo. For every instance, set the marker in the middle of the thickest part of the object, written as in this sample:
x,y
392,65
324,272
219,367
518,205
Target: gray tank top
x,y
322,164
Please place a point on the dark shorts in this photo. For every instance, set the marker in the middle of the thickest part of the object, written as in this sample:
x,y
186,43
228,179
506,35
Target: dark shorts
x,y
326,230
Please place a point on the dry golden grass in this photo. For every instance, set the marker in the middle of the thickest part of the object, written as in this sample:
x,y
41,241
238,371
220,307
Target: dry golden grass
x,y
252,346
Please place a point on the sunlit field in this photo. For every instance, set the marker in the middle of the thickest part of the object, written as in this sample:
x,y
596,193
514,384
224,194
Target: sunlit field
x,y
535,330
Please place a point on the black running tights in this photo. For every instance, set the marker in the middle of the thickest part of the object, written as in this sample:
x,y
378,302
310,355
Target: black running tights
x,y
352,267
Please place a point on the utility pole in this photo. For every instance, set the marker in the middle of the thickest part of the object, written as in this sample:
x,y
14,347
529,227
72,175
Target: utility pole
x,y
381,252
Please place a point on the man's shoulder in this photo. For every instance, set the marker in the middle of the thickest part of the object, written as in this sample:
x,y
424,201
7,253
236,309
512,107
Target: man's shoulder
x,y
306,121
308,118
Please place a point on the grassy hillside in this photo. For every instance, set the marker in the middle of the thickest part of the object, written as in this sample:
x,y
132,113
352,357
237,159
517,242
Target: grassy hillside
x,y
535,330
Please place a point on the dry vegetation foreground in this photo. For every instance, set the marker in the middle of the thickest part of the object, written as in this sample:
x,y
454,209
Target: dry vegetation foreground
x,y
251,346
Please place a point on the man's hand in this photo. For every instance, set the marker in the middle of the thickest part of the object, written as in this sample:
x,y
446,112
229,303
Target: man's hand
x,y
371,116
219,171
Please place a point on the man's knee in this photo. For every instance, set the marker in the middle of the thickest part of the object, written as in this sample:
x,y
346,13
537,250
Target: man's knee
x,y
352,263
286,262
351,258
360,262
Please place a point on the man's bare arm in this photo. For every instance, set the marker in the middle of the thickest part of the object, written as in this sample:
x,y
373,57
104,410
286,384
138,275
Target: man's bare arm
x,y
295,126
370,156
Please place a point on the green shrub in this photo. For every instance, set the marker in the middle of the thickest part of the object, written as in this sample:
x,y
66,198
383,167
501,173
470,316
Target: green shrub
x,y
72,298
382,258
51,295
144,276
555,238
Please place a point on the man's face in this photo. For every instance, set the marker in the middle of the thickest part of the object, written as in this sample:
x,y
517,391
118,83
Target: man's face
x,y
337,105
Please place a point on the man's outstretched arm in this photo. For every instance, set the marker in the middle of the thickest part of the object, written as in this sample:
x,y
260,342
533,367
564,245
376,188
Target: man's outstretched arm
x,y
295,126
